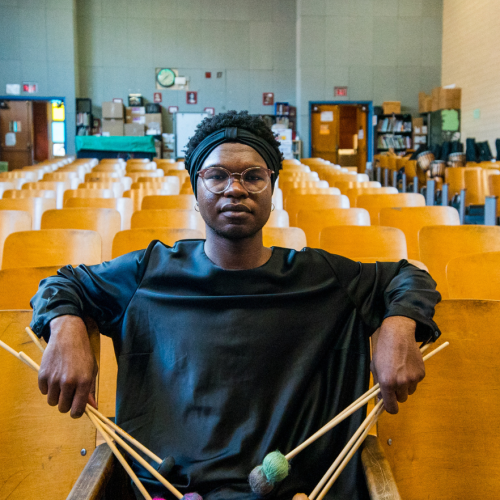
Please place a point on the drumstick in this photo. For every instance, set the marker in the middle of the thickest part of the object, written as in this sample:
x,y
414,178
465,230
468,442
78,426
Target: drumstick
x,y
344,463
361,401
104,419
143,462
367,423
118,455
34,338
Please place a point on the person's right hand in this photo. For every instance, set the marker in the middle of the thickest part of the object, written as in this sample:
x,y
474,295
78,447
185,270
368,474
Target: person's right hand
x,y
68,369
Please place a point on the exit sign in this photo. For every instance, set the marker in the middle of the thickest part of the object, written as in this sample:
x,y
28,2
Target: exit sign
x,y
340,91
30,87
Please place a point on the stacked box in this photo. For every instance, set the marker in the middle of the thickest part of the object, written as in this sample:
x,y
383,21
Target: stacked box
x,y
112,110
153,124
112,127
134,129
391,107
135,114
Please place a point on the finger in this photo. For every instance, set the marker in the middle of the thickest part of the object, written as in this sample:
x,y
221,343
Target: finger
x,y
80,399
402,393
412,387
42,383
390,400
91,401
53,394
66,397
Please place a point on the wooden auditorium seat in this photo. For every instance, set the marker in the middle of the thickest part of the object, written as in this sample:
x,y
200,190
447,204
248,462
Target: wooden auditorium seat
x,y
374,203
439,244
284,237
12,221
123,205
140,190
105,221
411,219
182,201
475,276
51,247
41,449
34,206
278,218
173,218
455,178
442,443
312,222
6,186
364,242
88,193
138,239
115,185
145,173
29,193
354,192
19,285
58,186
294,203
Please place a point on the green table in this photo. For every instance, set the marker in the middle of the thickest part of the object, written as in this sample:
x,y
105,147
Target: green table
x,y
102,147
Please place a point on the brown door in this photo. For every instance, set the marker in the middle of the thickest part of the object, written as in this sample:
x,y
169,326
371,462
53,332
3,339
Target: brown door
x,y
362,132
325,132
16,134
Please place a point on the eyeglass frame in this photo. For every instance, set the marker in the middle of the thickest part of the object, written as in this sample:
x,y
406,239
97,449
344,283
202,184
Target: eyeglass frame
x,y
232,175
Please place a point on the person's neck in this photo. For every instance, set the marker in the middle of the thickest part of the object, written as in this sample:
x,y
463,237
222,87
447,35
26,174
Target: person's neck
x,y
245,253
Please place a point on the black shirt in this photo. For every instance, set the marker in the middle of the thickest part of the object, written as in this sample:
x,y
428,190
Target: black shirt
x,y
218,368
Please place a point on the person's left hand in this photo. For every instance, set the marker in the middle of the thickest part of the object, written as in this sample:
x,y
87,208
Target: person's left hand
x,y
397,363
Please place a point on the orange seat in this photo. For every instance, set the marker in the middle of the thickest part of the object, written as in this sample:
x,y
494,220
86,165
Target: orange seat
x,y
34,206
439,244
455,178
182,201
374,203
294,203
278,218
474,276
51,247
88,193
284,237
353,193
173,218
60,187
312,222
137,239
12,221
105,221
411,219
364,242
123,205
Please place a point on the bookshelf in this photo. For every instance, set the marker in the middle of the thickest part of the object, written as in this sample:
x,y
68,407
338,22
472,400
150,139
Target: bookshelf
x,y
394,131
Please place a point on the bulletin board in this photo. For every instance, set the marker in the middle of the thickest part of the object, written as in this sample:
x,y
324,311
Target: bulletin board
x,y
184,128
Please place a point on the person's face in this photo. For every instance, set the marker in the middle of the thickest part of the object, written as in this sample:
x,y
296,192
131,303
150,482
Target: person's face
x,y
235,213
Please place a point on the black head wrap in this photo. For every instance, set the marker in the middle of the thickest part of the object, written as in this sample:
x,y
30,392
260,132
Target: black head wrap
x,y
232,134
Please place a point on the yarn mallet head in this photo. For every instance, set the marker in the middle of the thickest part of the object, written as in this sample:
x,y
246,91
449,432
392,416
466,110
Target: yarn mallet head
x,y
264,477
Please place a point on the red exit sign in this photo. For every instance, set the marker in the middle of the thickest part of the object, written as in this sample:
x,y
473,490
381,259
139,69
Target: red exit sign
x,y
340,91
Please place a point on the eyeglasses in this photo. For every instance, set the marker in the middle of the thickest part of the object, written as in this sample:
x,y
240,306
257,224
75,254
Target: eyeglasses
x,y
218,179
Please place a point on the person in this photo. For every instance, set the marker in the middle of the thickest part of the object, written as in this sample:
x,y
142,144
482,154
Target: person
x,y
228,350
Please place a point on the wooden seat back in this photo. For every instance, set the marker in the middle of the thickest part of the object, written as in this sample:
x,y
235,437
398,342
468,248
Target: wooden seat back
x,y
284,237
363,242
294,203
312,222
12,221
278,218
474,276
34,206
181,201
19,285
6,186
442,443
455,178
354,192
105,221
88,193
137,239
439,244
411,219
51,247
58,186
123,205
40,447
173,218
374,203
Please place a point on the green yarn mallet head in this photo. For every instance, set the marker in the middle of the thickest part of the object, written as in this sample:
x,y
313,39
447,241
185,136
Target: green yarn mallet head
x,y
274,469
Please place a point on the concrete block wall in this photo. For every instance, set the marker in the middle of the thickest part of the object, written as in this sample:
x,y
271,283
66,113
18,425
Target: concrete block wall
x,y
382,50
471,61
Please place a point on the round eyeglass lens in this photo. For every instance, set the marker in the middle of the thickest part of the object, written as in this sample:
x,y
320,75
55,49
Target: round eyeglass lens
x,y
216,179
255,179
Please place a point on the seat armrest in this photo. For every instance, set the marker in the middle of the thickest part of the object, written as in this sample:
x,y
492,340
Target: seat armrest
x,y
379,478
91,484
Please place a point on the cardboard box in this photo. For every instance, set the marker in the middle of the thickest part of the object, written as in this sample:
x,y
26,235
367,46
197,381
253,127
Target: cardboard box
x,y
390,107
112,127
153,123
112,110
424,103
134,129
450,98
435,99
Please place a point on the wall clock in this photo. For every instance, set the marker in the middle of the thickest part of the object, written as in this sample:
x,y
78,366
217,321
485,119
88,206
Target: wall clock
x,y
166,77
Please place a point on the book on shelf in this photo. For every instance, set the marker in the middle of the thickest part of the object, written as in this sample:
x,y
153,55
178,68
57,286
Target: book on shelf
x,y
393,141
393,124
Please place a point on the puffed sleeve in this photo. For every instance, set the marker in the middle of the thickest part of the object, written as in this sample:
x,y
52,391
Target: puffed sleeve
x,y
386,289
102,292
